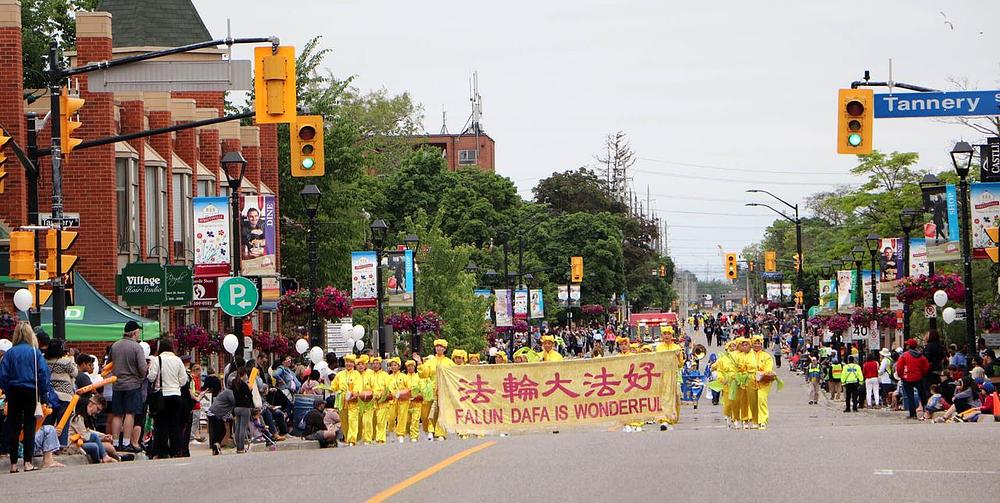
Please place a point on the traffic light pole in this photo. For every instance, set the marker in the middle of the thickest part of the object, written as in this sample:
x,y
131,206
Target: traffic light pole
x,y
58,287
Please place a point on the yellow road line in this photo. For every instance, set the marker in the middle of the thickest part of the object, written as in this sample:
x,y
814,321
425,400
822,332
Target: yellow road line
x,y
399,486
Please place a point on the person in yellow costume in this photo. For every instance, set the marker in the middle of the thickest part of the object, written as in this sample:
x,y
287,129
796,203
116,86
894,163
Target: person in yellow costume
x,y
366,405
668,343
393,372
725,368
382,400
347,384
500,357
431,366
406,390
458,356
746,368
549,353
762,380
473,358
624,346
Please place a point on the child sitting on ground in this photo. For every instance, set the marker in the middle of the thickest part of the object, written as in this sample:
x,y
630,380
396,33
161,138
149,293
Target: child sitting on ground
x,y
935,403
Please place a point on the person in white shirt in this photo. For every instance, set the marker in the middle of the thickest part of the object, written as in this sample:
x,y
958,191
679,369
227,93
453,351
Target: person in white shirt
x,y
885,371
167,375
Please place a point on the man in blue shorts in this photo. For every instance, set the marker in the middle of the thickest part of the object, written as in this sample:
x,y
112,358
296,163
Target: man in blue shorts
x,y
130,368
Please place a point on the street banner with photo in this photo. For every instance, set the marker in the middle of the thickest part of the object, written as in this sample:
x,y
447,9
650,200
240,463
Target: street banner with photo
x,y
484,293
985,199
941,232
536,304
827,296
845,291
520,304
867,279
918,257
258,243
779,291
212,229
364,290
399,278
890,257
562,295
574,295
599,392
502,307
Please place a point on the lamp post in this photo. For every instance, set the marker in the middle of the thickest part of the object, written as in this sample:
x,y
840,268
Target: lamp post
x,y
412,242
961,157
907,222
929,185
858,254
872,242
235,165
798,246
381,341
311,195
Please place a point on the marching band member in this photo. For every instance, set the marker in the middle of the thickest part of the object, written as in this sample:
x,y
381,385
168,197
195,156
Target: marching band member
x,y
366,408
382,400
409,397
667,343
347,384
432,364
393,374
762,380
549,353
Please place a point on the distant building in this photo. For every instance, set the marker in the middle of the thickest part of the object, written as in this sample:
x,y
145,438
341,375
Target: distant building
x,y
463,150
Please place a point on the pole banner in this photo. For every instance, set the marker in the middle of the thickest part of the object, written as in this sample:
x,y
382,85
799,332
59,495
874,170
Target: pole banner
x,y
211,236
490,399
363,287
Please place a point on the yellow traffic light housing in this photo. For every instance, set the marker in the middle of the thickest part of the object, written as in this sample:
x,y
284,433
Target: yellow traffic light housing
x,y
799,298
798,262
22,255
68,108
576,269
306,145
4,140
732,266
993,252
67,262
770,261
855,114
274,85
662,271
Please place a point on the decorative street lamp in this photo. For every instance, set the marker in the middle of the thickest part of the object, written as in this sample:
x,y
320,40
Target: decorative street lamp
x,y
379,231
907,222
961,157
234,165
858,254
412,242
872,242
311,195
929,185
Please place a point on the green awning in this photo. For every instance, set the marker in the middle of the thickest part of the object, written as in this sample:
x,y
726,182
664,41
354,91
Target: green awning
x,y
102,320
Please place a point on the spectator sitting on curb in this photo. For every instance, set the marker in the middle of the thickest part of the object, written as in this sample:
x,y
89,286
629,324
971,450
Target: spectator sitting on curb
x,y
316,424
83,438
47,442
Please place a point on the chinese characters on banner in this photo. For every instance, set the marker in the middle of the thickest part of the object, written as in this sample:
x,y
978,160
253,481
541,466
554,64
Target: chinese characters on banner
x,y
537,304
502,308
490,399
212,228
257,237
399,278
520,304
985,214
364,290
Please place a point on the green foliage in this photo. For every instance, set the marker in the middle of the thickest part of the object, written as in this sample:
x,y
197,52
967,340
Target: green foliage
x,y
43,21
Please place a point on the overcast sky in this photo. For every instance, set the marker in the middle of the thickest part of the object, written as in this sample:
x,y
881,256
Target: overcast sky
x,y
716,97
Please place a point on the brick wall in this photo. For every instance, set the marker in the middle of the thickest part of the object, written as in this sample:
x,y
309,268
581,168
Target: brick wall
x,y
204,99
163,145
132,115
13,202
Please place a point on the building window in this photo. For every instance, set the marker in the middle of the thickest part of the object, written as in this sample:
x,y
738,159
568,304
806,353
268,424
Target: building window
x,y
127,192
205,320
181,318
206,187
182,210
156,211
267,322
466,157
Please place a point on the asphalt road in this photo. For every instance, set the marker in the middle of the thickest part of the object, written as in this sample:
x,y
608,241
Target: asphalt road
x,y
812,453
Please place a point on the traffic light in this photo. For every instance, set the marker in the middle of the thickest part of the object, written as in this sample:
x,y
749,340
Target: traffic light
x,y
798,298
576,269
750,265
4,140
274,85
68,107
732,266
67,262
993,252
663,271
798,262
22,255
854,121
307,146
770,261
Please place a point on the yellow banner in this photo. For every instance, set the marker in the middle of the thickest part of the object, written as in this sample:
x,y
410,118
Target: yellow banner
x,y
490,399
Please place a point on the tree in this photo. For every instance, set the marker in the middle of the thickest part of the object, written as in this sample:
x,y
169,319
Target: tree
x,y
580,190
618,157
43,21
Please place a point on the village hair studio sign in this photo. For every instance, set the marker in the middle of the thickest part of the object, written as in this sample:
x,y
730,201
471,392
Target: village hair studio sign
x,y
152,284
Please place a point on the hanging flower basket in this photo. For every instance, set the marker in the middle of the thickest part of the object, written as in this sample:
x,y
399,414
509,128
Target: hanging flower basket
x,y
332,304
592,309
8,322
838,323
916,288
276,344
400,322
887,320
989,318
817,322
295,306
192,337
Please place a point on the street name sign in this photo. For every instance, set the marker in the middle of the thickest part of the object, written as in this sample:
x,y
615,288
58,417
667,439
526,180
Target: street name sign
x,y
232,75
69,219
238,296
937,104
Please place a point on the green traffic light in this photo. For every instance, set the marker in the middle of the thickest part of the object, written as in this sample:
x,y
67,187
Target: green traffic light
x,y
308,162
854,139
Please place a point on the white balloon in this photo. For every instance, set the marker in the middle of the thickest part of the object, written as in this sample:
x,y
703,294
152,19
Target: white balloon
x,y
229,343
493,351
23,299
321,366
948,314
360,344
940,298
145,348
5,345
301,346
350,342
359,331
316,354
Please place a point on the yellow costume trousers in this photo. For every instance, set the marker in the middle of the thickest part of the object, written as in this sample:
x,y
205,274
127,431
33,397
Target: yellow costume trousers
x,y
762,415
349,423
425,411
381,421
390,424
368,425
741,410
752,401
413,418
400,417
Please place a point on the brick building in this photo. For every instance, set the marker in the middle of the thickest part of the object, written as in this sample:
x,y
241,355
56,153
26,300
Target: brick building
x,y
134,198
463,150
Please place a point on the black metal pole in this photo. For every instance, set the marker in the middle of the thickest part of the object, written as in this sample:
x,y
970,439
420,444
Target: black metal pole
x,y
906,269
58,288
970,313
931,322
799,275
506,278
414,337
34,315
315,336
383,341
875,299
234,195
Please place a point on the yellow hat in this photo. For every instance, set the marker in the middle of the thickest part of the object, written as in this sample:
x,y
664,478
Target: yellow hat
x,y
741,340
364,359
731,345
670,329
441,342
548,338
501,356
757,338
634,345
396,360
459,352
646,348
620,339
411,362
473,356
376,359
350,357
